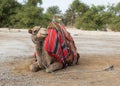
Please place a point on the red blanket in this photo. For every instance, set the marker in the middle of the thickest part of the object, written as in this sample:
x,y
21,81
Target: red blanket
x,y
55,44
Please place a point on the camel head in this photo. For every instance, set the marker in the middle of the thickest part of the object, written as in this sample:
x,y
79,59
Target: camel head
x,y
38,33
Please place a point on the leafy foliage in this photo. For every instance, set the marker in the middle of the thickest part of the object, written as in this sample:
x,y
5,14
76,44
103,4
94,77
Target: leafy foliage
x,y
53,10
94,17
8,9
80,15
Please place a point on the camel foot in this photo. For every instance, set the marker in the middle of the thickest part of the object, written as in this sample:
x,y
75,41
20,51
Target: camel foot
x,y
34,67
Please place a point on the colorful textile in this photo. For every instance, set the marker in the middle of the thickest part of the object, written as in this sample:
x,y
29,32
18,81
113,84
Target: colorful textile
x,y
55,44
73,55
59,44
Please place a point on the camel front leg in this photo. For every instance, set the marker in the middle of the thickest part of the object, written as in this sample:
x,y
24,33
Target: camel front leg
x,y
54,66
36,67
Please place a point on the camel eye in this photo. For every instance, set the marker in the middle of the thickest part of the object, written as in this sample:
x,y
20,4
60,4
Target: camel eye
x,y
35,31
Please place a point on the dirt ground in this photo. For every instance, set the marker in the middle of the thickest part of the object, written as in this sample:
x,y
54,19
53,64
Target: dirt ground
x,y
98,51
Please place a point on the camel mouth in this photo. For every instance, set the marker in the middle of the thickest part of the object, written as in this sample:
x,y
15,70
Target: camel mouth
x,y
44,35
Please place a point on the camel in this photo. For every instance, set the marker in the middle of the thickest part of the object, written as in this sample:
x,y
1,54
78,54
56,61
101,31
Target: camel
x,y
44,60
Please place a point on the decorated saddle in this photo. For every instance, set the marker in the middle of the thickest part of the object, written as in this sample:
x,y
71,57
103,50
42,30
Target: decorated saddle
x,y
60,44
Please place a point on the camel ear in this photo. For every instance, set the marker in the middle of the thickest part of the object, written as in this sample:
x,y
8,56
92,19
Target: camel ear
x,y
30,31
40,26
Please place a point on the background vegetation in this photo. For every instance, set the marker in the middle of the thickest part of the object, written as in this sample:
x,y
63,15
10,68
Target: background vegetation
x,y
79,15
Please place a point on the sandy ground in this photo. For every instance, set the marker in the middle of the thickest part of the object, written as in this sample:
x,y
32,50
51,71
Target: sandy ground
x,y
98,51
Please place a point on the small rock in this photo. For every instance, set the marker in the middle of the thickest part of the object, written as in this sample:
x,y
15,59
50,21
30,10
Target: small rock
x,y
109,68
2,74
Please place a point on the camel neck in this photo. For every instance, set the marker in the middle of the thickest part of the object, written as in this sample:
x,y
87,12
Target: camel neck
x,y
39,46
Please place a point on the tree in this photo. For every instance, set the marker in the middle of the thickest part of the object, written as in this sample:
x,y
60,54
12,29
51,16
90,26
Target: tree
x,y
117,9
34,2
78,7
92,19
53,10
115,19
75,10
8,9
30,14
69,17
